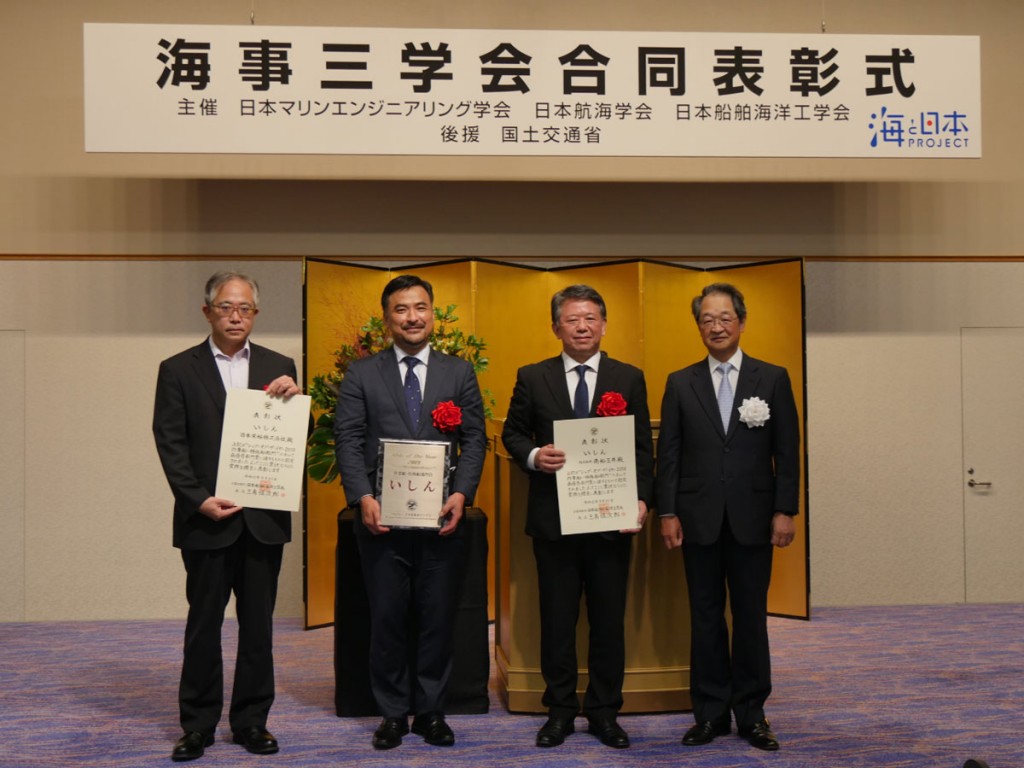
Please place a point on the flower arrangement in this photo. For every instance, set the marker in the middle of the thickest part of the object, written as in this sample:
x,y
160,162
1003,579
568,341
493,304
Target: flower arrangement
x,y
371,339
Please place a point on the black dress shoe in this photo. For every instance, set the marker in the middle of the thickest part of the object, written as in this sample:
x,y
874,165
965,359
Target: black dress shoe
x,y
433,729
257,740
761,736
609,732
705,733
191,745
554,731
390,732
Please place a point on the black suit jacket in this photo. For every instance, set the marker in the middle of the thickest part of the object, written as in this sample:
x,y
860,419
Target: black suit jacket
x,y
540,397
746,474
371,406
188,415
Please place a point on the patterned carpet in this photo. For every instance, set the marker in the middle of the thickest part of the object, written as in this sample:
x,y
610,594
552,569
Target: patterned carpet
x,y
918,687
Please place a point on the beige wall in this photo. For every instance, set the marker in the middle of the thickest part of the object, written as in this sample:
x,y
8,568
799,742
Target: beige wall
x,y
886,423
87,535
85,509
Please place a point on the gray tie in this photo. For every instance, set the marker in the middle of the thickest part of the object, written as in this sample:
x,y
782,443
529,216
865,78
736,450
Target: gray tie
x,y
725,396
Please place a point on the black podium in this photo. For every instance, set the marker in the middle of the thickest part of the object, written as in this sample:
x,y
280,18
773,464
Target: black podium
x,y
467,689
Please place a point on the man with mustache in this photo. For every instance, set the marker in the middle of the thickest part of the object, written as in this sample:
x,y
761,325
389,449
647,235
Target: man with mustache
x,y
410,392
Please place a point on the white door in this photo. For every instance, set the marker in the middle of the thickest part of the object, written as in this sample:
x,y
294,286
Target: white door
x,y
993,472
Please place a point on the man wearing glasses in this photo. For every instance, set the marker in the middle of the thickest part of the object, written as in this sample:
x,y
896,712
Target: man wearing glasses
x,y
225,548
728,488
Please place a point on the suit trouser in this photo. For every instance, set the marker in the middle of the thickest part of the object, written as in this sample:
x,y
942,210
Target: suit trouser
x,y
413,580
597,566
250,569
720,680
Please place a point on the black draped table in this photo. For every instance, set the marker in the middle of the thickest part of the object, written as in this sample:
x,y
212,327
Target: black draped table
x,y
467,690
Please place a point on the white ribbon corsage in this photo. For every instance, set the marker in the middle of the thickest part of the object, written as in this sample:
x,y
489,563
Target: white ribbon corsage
x,y
754,412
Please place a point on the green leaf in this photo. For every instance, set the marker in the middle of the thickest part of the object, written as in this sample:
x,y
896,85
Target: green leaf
x,y
321,463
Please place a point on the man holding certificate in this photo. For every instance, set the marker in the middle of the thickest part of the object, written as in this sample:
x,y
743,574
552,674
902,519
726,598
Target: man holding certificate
x,y
410,443
582,383
225,547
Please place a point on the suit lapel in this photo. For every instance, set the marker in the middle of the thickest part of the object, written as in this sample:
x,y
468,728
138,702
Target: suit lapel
x,y
208,373
391,377
606,377
704,390
259,373
437,373
554,378
746,384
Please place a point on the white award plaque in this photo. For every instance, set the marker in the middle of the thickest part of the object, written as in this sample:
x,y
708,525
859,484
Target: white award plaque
x,y
412,482
597,485
263,449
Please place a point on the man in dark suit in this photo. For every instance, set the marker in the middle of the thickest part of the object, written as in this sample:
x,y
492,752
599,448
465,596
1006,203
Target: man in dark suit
x,y
226,548
576,384
410,392
728,488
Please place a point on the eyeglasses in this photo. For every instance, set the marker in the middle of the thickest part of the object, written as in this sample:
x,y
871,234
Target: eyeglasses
x,y
226,309
726,321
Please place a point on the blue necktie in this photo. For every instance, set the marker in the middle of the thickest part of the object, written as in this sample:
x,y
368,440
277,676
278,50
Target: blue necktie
x,y
581,401
725,396
413,398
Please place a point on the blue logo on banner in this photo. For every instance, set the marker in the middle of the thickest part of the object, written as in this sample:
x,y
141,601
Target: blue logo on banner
x,y
923,130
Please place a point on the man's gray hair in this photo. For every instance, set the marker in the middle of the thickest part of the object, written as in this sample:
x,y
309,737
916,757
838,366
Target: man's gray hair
x,y
218,279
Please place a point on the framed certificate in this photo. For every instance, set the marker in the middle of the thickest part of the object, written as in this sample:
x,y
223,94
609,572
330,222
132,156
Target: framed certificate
x,y
597,485
412,482
263,449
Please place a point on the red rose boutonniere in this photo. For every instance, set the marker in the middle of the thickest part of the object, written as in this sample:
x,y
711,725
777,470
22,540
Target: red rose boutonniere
x,y
612,404
447,416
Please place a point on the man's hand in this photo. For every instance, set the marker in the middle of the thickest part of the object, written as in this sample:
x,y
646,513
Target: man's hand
x,y
219,509
640,518
283,386
549,459
369,509
783,530
671,532
452,512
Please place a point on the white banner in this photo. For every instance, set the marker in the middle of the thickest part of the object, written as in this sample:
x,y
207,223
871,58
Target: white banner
x,y
459,92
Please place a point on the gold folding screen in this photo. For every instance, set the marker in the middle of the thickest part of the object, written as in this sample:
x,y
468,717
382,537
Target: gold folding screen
x,y
649,325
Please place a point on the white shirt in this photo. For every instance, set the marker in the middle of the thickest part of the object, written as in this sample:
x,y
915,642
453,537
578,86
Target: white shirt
x,y
234,369
734,374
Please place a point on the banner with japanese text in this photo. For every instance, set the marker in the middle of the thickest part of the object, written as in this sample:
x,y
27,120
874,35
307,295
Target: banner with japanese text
x,y
461,92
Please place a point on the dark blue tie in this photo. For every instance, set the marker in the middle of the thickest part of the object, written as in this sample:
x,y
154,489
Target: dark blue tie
x,y
413,399
581,401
